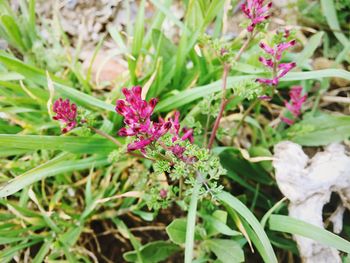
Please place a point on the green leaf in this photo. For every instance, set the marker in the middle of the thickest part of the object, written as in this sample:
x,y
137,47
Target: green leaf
x,y
63,143
309,48
45,248
227,251
8,240
8,253
53,167
153,252
184,97
38,76
294,226
124,230
320,130
176,231
139,30
329,11
71,236
231,201
317,74
169,14
191,222
213,10
7,76
13,31
219,226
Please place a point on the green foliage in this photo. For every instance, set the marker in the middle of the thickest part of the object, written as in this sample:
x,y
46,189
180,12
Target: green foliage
x,y
248,90
226,250
152,252
320,130
176,231
294,226
59,192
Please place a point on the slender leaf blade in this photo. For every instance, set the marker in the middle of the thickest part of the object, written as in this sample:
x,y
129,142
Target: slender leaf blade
x,y
295,226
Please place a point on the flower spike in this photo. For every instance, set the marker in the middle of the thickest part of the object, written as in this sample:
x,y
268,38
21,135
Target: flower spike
x,y
66,112
256,11
137,115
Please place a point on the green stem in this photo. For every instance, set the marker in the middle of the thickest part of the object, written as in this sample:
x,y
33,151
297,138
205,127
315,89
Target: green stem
x,y
191,221
251,107
107,136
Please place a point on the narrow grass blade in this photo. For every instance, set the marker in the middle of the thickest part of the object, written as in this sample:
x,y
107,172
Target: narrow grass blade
x,y
191,223
187,96
38,76
294,226
69,144
309,48
330,13
244,212
317,74
47,169
169,14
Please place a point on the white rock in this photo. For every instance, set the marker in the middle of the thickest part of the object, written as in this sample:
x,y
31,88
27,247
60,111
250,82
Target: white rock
x,y
308,184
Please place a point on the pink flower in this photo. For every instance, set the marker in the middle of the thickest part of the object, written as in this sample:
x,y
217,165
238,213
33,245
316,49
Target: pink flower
x,y
137,117
287,120
256,12
66,113
175,129
267,62
280,69
295,104
140,144
187,134
163,193
273,81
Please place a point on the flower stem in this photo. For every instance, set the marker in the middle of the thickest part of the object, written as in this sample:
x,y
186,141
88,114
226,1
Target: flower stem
x,y
223,104
250,108
116,142
224,101
191,221
107,136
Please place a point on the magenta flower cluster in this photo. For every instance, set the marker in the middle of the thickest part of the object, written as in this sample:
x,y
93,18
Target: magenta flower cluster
x,y
137,115
279,69
295,104
66,112
256,11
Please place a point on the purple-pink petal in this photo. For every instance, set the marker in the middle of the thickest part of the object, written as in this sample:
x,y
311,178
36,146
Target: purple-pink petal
x,y
66,112
267,62
256,12
287,120
267,48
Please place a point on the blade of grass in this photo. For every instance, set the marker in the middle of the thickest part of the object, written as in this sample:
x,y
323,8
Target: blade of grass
x,y
38,76
169,14
50,168
309,48
191,222
184,97
13,32
62,143
44,249
139,31
244,212
329,11
294,226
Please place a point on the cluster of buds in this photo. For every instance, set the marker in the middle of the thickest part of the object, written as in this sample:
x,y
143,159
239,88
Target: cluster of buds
x,y
295,104
279,69
137,115
66,112
256,11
